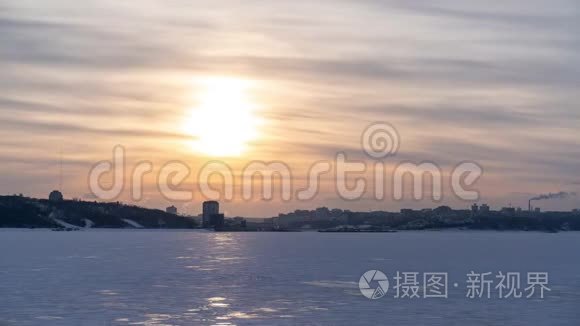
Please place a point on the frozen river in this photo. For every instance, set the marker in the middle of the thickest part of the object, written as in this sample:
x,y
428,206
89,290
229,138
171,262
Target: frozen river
x,y
145,277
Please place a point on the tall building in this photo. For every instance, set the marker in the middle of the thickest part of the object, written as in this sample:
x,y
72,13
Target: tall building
x,y
209,208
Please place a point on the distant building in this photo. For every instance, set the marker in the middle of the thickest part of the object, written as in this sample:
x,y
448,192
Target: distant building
x,y
508,211
209,208
474,209
443,210
171,210
405,212
335,212
55,196
217,220
322,213
484,209
537,210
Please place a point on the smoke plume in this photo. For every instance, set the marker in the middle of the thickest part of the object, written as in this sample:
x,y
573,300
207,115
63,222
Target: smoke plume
x,y
558,195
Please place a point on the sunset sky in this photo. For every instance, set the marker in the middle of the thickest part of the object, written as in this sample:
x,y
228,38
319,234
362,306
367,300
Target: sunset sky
x,y
495,82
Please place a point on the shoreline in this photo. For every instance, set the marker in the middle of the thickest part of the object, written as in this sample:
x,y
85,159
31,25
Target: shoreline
x,y
198,230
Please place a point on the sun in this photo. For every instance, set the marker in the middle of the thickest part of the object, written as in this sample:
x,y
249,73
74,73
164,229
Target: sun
x,y
224,120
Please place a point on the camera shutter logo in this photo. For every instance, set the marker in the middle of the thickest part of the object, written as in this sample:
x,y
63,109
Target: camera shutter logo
x,y
373,284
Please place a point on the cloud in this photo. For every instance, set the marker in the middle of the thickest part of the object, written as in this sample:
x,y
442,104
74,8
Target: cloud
x,y
535,17
71,129
494,82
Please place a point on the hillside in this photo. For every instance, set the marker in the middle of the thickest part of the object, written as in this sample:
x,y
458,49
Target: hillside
x,y
18,212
